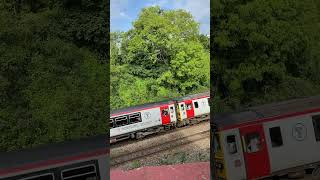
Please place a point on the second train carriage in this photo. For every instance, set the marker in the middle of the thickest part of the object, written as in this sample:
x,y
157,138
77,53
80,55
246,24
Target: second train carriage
x,y
142,120
269,140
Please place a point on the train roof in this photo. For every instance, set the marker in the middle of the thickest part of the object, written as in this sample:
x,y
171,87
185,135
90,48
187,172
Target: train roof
x,y
251,114
192,96
149,105
139,107
53,151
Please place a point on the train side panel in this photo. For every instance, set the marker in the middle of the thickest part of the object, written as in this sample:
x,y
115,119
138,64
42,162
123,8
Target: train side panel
x,y
292,142
201,106
150,118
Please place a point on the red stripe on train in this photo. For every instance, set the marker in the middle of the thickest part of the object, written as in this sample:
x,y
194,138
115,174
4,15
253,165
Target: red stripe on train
x,y
53,162
263,120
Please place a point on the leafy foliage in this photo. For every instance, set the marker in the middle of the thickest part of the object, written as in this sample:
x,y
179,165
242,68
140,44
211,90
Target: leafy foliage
x,y
53,73
162,56
265,50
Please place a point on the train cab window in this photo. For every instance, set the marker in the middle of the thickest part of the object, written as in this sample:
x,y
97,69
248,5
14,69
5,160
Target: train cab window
x,y
253,142
316,126
165,112
231,144
87,172
275,136
121,121
111,123
209,102
189,107
40,177
135,118
196,105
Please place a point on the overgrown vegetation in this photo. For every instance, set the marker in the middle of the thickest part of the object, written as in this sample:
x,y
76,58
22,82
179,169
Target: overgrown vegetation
x,y
264,51
53,71
162,56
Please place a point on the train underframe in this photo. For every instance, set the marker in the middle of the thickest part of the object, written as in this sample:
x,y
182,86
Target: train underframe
x,y
159,129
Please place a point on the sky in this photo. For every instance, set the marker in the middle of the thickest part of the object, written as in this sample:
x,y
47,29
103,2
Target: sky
x,y
124,12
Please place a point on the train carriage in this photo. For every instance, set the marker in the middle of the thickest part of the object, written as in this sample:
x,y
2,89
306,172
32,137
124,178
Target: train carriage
x,y
269,140
85,159
142,120
193,107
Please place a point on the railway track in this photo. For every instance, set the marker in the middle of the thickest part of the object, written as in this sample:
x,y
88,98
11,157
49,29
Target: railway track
x,y
155,149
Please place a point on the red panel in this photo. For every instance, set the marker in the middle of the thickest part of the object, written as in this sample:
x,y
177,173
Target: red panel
x,y
190,112
257,162
165,117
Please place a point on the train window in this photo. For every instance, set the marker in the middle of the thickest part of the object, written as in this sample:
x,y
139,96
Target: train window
x,y
121,121
165,112
253,142
276,137
316,126
196,105
189,107
40,177
231,143
182,107
209,101
135,118
87,172
171,109
111,123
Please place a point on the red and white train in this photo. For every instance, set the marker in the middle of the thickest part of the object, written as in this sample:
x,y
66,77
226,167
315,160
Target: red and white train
x,y
268,141
86,158
139,121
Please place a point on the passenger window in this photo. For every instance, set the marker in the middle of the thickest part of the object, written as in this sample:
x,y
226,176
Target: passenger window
x,y
165,112
111,123
80,173
189,107
316,126
231,143
122,121
253,142
209,102
182,107
276,137
196,104
171,109
135,118
40,177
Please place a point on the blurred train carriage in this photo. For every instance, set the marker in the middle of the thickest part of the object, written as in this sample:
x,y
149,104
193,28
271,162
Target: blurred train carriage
x,y
139,121
84,159
270,140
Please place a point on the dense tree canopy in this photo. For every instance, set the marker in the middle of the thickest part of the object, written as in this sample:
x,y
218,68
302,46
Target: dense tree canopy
x,y
53,71
162,56
265,50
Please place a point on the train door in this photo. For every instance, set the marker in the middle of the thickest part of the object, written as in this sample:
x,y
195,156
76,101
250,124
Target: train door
x,y
189,109
172,113
232,150
255,151
165,114
183,112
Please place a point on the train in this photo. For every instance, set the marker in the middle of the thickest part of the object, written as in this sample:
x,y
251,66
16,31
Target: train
x,y
268,141
139,121
85,158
